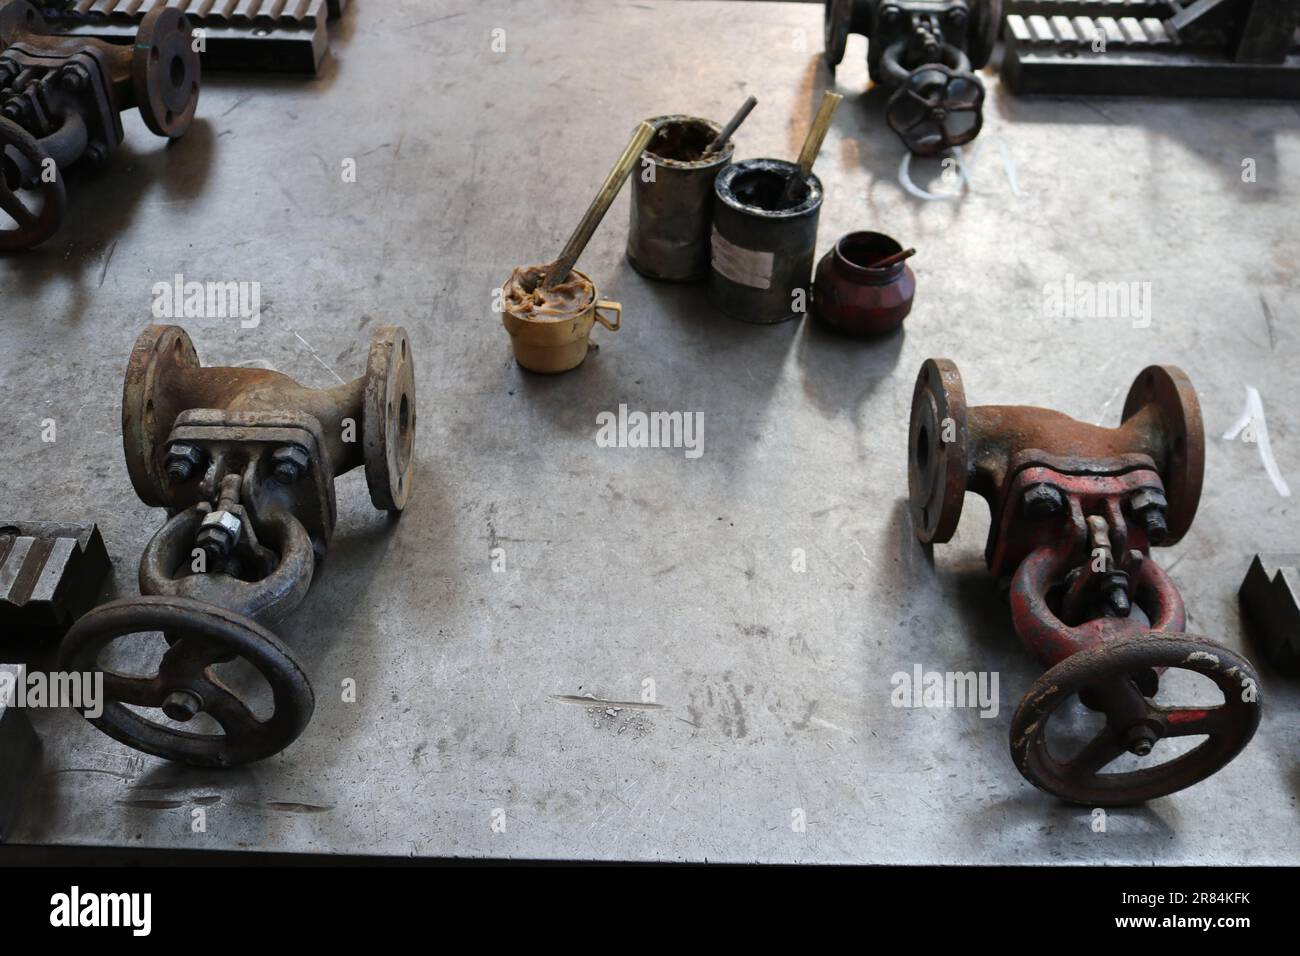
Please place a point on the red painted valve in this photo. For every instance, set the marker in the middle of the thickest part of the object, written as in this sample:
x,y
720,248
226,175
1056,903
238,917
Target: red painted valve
x,y
1075,510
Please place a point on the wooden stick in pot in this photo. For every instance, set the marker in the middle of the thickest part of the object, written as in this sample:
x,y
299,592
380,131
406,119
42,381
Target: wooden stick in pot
x,y
812,145
559,269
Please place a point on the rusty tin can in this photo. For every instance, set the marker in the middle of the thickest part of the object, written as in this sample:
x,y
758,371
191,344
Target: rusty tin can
x,y
550,345
762,249
672,199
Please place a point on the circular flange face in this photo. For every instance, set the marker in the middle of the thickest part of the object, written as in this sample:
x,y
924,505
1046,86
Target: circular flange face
x,y
1170,390
24,168
17,18
200,636
148,405
1227,727
937,451
985,29
165,72
389,418
836,16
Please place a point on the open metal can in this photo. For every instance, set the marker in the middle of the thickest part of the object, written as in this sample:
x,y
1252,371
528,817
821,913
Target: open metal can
x,y
762,247
672,199
554,336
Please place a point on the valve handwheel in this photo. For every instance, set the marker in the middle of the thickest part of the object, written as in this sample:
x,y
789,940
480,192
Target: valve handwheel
x,y
200,635
1107,668
23,166
937,108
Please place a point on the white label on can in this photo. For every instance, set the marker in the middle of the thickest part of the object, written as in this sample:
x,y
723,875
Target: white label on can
x,y
744,266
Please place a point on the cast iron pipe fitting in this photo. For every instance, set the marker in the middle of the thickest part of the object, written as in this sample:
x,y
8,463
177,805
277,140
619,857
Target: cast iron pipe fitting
x,y
244,461
1075,509
60,103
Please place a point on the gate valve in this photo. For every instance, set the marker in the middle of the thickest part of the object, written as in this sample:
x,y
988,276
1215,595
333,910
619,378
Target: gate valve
x,y
244,460
927,51
60,103
1075,509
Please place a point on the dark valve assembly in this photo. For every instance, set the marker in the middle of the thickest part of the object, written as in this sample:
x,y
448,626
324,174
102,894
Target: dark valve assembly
x,y
244,461
60,103
1075,509
927,52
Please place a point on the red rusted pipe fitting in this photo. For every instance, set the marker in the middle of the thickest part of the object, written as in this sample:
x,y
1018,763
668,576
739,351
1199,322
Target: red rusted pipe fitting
x,y
1075,509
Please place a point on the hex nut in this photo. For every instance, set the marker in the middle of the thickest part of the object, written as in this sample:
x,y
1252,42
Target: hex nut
x,y
183,459
290,463
1042,500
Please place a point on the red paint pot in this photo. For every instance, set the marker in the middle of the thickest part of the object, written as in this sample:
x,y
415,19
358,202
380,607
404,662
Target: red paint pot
x,y
853,296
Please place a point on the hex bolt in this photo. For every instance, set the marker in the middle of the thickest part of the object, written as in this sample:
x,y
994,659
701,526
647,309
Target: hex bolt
x,y
73,78
1148,506
1042,500
1117,601
290,463
182,705
182,460
218,535
96,153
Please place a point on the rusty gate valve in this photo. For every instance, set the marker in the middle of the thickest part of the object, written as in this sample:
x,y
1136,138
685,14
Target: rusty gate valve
x,y
244,460
1075,509
60,103
927,52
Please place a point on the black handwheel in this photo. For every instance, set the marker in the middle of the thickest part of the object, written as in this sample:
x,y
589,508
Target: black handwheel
x,y
165,72
1106,671
200,635
26,168
937,108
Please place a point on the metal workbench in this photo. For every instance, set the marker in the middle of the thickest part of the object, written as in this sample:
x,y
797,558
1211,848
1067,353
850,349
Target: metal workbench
x,y
631,565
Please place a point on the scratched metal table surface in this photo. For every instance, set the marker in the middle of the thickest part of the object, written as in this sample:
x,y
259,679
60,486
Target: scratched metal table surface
x,y
627,566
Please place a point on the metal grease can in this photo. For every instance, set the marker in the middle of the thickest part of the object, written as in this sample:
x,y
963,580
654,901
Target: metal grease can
x,y
762,248
672,199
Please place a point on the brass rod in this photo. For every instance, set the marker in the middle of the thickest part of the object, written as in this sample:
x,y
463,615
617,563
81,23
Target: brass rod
x,y
561,267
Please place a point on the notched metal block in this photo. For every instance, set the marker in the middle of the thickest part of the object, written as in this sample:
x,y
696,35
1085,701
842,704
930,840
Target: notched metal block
x,y
19,747
50,575
1270,596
